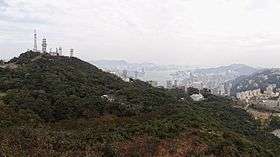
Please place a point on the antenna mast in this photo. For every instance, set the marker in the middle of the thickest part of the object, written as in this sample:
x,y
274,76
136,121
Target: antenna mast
x,y
35,41
71,52
44,45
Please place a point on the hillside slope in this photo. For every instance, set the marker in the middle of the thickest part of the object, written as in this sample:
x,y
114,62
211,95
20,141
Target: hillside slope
x,y
69,84
61,106
257,80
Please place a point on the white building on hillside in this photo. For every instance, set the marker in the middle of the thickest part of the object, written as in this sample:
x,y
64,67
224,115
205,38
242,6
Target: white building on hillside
x,y
197,97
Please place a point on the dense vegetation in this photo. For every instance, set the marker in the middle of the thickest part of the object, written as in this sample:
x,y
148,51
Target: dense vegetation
x,y
60,106
274,123
57,88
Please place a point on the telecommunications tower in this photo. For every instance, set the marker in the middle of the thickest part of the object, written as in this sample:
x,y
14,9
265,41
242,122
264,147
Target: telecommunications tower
x,y
35,41
71,52
44,46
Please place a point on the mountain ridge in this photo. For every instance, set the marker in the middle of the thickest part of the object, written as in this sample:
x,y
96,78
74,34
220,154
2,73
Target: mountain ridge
x,y
258,80
239,69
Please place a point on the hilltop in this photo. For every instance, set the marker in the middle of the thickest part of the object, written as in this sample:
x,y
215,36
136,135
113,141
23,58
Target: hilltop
x,y
62,106
56,80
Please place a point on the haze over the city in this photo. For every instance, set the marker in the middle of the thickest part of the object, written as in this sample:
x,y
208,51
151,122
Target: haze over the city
x,y
190,32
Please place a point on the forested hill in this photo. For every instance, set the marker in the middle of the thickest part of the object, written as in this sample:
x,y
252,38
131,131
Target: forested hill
x,y
61,106
257,80
48,84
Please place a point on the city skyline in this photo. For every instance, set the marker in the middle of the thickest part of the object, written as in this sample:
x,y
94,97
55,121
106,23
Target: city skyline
x,y
189,32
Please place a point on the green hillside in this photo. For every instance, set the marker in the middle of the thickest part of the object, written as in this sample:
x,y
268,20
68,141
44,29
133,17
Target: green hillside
x,y
61,106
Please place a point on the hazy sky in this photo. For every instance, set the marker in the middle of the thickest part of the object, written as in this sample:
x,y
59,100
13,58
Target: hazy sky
x,y
192,32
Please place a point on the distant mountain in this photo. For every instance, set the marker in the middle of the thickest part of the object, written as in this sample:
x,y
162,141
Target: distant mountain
x,y
110,63
121,64
260,79
237,69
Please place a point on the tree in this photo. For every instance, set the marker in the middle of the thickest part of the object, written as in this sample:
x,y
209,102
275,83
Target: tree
x,y
192,91
206,92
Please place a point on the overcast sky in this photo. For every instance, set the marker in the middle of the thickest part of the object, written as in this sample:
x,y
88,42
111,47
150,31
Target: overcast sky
x,y
191,32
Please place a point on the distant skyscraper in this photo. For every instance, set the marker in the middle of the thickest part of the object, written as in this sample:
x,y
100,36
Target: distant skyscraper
x,y
191,77
71,52
136,74
44,46
176,83
168,84
35,41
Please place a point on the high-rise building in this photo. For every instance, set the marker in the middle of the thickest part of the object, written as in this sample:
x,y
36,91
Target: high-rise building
x,y
228,87
270,89
136,74
175,83
168,84
35,41
44,46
